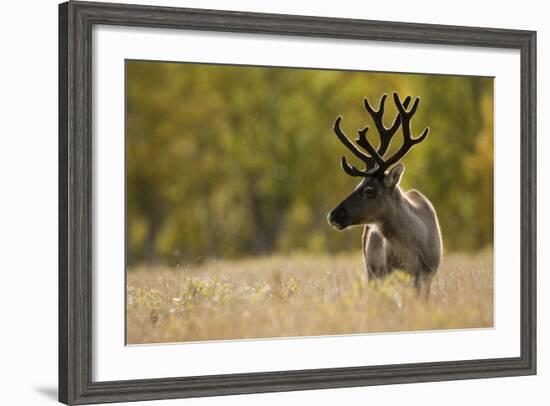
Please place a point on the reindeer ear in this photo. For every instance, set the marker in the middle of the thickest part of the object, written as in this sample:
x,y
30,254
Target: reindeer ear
x,y
392,178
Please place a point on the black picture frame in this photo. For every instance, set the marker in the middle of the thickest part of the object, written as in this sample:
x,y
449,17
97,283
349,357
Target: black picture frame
x,y
76,20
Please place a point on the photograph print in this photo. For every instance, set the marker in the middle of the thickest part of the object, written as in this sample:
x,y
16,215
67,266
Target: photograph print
x,y
272,202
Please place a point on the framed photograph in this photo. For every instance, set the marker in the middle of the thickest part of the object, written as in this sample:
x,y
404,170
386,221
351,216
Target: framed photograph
x,y
259,202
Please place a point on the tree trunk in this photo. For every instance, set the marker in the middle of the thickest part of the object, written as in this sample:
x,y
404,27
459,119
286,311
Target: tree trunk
x,y
150,244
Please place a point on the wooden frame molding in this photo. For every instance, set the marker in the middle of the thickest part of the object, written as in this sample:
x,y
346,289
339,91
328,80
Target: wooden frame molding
x,y
76,20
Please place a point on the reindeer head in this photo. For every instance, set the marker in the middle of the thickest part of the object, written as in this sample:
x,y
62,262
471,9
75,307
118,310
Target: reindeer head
x,y
372,197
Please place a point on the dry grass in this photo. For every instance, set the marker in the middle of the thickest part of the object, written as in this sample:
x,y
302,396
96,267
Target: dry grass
x,y
301,296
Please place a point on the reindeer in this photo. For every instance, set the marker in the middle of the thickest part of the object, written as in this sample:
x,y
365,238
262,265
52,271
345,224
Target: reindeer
x,y
400,228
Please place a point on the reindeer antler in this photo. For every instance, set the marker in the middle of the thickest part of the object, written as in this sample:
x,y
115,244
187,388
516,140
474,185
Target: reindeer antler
x,y
386,134
374,159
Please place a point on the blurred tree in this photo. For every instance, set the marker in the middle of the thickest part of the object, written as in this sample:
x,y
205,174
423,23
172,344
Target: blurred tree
x,y
226,161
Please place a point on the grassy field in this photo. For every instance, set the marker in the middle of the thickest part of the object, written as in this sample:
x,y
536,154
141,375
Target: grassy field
x,y
283,296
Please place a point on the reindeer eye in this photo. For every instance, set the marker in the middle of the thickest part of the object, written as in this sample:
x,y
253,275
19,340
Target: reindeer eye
x,y
369,192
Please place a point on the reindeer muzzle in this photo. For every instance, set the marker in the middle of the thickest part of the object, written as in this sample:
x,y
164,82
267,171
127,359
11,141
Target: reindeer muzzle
x,y
338,218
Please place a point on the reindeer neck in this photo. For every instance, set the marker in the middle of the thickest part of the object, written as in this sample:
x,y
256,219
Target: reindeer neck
x,y
393,222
